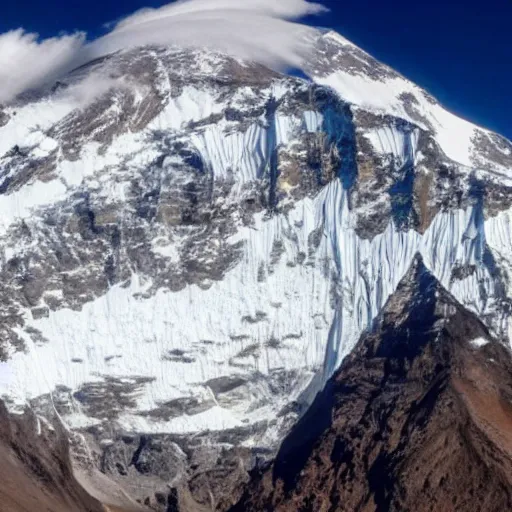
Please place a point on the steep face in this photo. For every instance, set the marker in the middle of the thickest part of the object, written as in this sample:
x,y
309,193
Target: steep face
x,y
189,253
164,220
123,294
418,417
414,157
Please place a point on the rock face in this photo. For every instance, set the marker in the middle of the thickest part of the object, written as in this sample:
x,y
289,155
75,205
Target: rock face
x,y
418,417
190,245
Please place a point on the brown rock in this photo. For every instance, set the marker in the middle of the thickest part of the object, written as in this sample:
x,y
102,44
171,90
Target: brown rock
x,y
417,418
35,470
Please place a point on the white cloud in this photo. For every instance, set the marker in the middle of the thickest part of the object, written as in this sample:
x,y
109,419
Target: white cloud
x,y
259,30
286,9
25,61
250,29
85,91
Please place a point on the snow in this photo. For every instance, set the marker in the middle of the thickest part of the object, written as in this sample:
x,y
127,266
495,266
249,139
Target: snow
x,y
209,326
384,95
371,270
165,248
191,106
479,342
453,134
313,121
401,144
5,375
216,418
499,239
239,154
20,205
28,124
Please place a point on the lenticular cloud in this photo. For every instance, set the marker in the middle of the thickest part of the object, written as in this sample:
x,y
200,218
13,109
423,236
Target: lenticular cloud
x,y
252,29
260,30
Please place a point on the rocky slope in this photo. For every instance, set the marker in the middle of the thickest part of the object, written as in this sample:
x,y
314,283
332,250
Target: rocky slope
x,y
189,253
35,469
418,417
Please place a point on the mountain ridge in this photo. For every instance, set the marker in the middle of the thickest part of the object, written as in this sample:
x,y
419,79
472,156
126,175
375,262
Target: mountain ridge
x,y
402,424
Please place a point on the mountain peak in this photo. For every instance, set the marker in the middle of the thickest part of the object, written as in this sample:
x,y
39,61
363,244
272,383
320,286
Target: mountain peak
x,y
421,310
194,184
415,418
362,80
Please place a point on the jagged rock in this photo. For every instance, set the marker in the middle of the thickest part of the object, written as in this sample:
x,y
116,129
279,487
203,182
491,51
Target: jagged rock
x,y
418,417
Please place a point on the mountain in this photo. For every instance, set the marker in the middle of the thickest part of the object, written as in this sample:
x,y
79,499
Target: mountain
x,y
418,417
192,244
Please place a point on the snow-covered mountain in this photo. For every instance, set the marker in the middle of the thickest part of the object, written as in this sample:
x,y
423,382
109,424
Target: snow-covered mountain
x,y
190,252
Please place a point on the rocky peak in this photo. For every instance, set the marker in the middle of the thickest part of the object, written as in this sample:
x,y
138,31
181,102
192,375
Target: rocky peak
x,y
419,312
408,422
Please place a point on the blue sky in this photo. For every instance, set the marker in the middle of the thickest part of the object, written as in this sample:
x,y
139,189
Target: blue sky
x,y
461,51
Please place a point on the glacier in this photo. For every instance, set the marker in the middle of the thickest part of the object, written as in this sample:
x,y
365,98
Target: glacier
x,y
304,319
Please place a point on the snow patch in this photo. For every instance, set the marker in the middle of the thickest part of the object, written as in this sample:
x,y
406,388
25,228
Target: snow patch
x,y
479,342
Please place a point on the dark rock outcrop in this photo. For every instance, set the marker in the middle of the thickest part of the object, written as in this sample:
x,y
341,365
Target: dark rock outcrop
x,y
418,418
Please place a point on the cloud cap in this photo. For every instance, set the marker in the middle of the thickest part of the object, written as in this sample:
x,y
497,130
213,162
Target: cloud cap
x,y
258,30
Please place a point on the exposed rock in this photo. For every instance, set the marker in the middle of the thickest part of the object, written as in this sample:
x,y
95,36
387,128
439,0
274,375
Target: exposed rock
x,y
4,117
491,146
417,418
